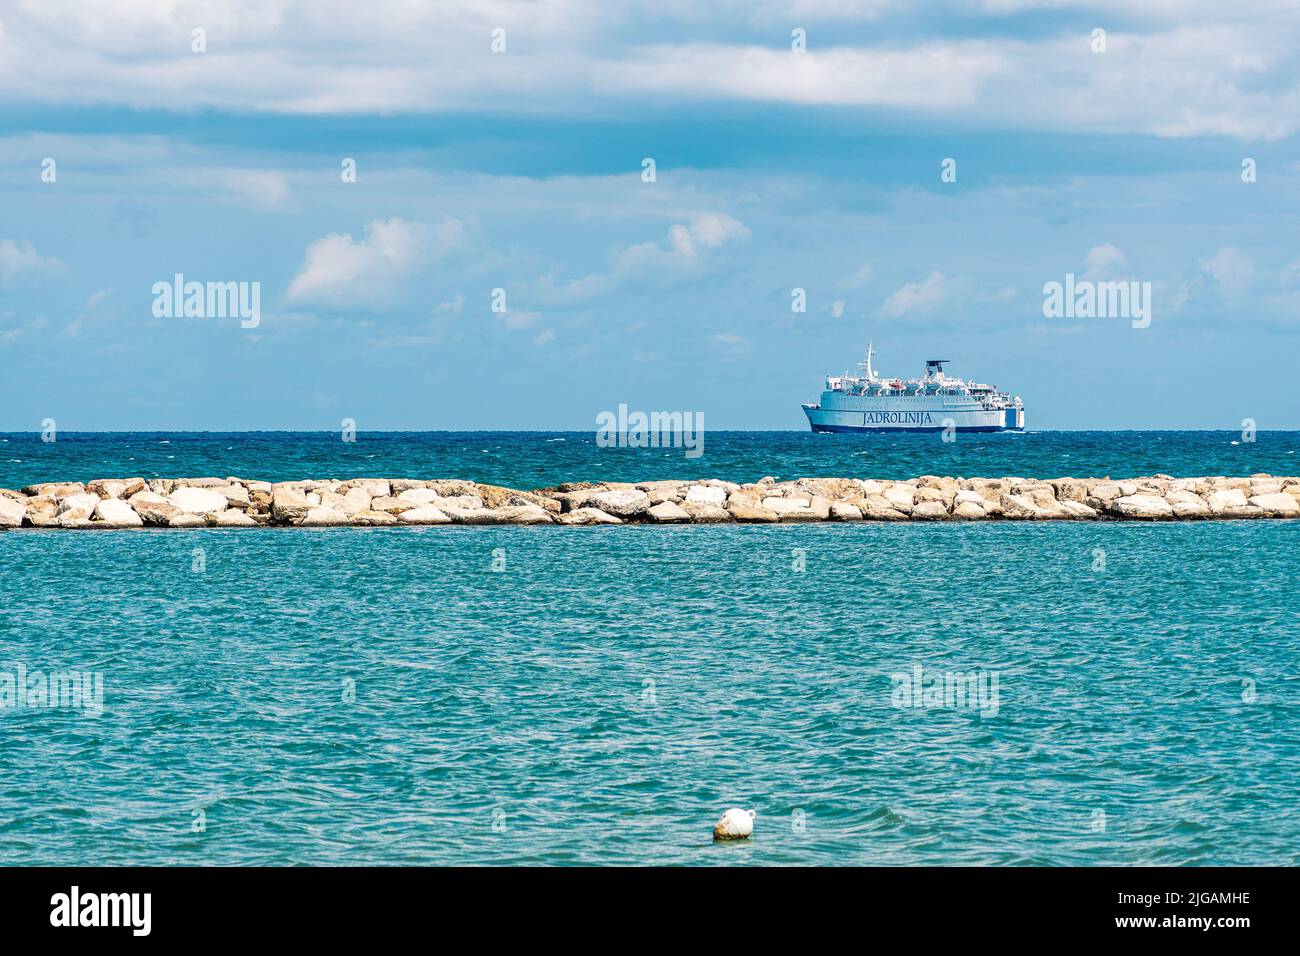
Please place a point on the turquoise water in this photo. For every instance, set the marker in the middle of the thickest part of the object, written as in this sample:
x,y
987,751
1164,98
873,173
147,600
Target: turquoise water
x,y
609,692
537,459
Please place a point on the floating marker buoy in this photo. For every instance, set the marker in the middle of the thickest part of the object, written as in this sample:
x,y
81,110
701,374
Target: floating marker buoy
x,y
735,824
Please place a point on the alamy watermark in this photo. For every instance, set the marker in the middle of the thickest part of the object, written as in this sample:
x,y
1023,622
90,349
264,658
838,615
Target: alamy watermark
x,y
1089,299
951,690
22,689
626,429
208,300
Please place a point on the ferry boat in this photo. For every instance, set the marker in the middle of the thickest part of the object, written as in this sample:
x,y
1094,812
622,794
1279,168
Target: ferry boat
x,y
934,402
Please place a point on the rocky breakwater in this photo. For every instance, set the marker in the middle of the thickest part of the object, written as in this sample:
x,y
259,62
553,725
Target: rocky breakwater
x,y
119,503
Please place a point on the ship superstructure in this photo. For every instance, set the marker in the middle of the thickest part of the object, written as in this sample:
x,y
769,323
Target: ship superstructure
x,y
872,403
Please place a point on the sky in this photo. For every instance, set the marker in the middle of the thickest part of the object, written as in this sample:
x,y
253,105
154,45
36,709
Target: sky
x,y
502,258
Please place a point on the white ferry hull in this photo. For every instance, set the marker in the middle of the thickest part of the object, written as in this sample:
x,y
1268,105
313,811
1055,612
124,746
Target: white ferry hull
x,y
846,413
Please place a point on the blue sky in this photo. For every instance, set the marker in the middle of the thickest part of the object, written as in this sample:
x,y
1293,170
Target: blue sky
x,y
521,171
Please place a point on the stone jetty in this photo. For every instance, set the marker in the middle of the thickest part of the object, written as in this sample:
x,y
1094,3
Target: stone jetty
x,y
119,503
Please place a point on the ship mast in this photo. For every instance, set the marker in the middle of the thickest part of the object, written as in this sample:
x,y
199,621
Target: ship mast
x,y
866,366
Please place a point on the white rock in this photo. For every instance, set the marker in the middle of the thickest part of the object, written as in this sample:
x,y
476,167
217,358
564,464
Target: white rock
x,y
901,497
1277,502
11,512
704,495
236,495
355,501
116,513
233,518
288,503
843,511
785,506
426,514
81,502
668,513
323,518
930,510
1227,500
1076,509
419,496
1141,506
735,824
620,501
588,516
198,501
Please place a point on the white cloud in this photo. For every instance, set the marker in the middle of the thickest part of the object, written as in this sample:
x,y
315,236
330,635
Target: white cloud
x,y
20,260
861,277
260,188
916,296
1230,268
517,319
836,309
682,253
450,307
1178,69
1102,261
544,338
338,270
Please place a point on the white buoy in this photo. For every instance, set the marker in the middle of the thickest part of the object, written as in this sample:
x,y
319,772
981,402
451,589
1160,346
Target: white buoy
x,y
735,824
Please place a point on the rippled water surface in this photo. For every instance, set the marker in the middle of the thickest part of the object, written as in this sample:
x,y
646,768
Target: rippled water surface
x,y
609,691
536,459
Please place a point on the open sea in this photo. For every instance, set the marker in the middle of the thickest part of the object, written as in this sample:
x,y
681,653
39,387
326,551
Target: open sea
x,y
507,695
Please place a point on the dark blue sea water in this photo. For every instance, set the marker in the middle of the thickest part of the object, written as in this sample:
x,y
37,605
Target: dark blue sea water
x,y
601,695
537,459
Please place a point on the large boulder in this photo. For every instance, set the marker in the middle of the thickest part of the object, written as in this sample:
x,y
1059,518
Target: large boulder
x,y
668,513
706,514
153,508
1187,504
79,502
845,511
374,518
12,513
374,487
232,518
425,514
1140,506
1017,507
620,502
930,511
419,496
524,514
1227,501
588,516
1276,503
288,505
115,487
900,497
57,489
42,511
323,518
880,508
706,495
198,501
747,513
391,505
1071,508
116,513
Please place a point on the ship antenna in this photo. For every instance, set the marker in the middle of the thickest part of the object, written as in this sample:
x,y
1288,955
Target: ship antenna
x,y
866,366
